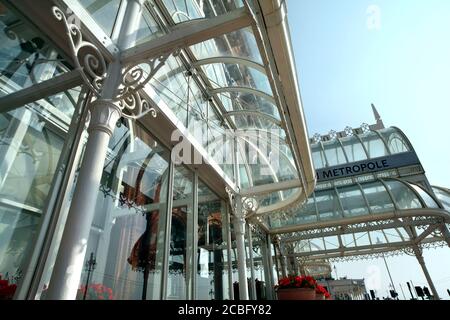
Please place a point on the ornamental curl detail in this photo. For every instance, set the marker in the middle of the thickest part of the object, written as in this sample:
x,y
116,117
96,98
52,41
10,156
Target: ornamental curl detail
x,y
93,69
87,58
250,205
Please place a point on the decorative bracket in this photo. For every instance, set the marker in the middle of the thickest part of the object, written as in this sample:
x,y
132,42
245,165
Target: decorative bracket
x,y
94,70
247,205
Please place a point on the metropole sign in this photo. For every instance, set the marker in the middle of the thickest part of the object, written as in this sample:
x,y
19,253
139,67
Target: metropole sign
x,y
368,166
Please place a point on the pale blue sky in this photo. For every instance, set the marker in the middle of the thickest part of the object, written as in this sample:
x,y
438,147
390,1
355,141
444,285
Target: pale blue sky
x,y
395,54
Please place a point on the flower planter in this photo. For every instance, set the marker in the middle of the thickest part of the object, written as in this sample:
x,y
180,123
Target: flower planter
x,y
296,294
320,296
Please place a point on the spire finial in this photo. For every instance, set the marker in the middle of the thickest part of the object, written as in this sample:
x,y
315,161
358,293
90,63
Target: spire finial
x,y
377,116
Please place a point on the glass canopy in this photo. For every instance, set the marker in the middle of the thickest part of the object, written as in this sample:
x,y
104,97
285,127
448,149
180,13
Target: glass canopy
x,y
357,147
443,196
358,200
220,91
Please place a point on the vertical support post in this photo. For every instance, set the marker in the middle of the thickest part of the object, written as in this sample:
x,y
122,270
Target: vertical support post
x,y
193,282
270,264
104,115
239,227
229,260
389,273
69,262
167,232
446,234
421,260
252,264
283,259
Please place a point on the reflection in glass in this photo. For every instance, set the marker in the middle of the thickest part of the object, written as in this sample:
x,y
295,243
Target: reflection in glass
x,y
103,12
127,234
31,142
212,271
180,247
403,196
25,57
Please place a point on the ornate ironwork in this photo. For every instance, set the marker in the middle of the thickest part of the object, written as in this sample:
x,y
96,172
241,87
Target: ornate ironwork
x,y
93,67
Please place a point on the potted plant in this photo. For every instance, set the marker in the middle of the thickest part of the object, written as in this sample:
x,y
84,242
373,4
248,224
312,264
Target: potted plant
x,y
296,288
6,290
321,293
95,291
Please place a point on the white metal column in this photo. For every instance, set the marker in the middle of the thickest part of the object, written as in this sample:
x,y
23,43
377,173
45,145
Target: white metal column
x,y
239,229
104,115
69,262
421,260
252,263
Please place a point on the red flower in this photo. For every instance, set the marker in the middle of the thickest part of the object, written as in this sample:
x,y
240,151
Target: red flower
x,y
6,290
96,291
296,282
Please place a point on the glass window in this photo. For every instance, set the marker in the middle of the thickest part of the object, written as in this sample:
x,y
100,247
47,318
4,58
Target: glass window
x,y
403,196
25,57
212,262
104,12
127,236
444,197
331,242
328,205
362,239
318,156
429,201
243,101
237,75
348,240
185,10
148,29
353,149
307,214
240,44
352,201
377,197
374,145
180,246
334,153
32,139
395,140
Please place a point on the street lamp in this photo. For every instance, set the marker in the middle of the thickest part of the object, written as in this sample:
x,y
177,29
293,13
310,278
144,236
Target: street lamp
x,y
387,268
90,266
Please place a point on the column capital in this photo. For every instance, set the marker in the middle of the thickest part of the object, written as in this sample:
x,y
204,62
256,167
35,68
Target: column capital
x,y
104,116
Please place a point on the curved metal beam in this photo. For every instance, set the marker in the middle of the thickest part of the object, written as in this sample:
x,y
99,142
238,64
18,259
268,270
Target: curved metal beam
x,y
253,113
438,213
231,60
244,90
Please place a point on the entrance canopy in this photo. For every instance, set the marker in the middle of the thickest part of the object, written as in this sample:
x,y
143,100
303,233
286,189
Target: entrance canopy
x,y
220,72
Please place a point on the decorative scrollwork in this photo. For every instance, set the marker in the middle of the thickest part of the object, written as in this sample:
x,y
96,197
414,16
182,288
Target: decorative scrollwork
x,y
250,205
87,58
93,68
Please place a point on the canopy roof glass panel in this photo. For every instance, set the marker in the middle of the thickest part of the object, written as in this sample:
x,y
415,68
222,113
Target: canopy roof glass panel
x,y
365,199
357,147
240,44
219,87
236,75
182,10
443,195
